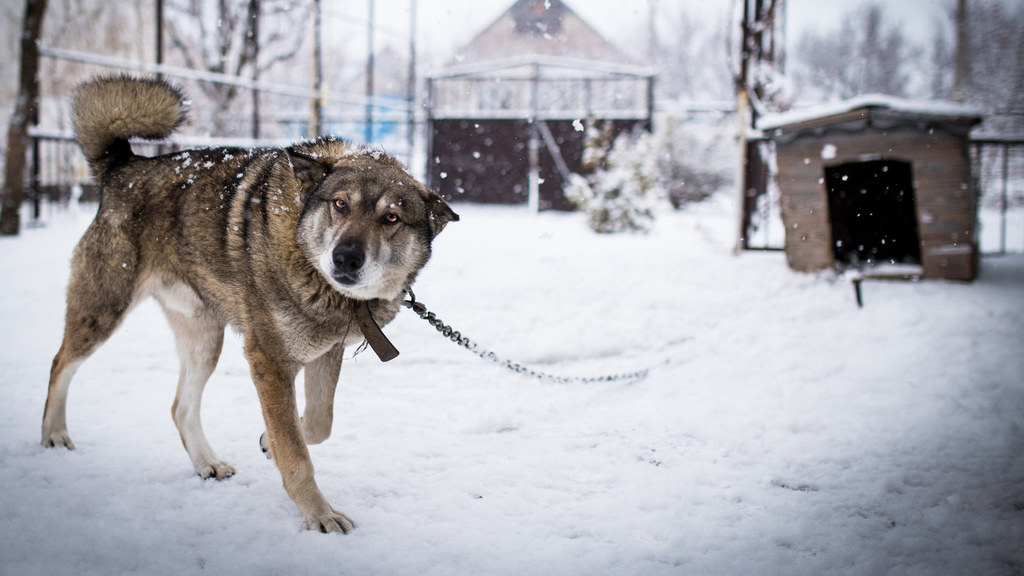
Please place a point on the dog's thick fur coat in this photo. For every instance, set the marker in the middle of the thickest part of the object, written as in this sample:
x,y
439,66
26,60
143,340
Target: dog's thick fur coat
x,y
283,244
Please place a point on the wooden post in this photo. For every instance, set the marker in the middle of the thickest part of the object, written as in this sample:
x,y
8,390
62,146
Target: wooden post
x,y
533,147
742,104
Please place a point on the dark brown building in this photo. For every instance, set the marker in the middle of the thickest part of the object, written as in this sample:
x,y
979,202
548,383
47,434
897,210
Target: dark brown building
x,y
877,181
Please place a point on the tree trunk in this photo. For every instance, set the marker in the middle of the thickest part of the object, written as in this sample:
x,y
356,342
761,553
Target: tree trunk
x,y
960,69
26,110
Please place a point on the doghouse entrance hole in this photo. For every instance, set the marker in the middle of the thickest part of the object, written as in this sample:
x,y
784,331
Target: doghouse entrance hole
x,y
872,213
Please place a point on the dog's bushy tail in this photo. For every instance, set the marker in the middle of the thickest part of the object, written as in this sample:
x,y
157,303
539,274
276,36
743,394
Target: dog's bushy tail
x,y
107,111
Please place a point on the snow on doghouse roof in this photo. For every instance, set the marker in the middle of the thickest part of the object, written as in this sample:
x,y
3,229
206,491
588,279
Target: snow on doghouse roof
x,y
837,110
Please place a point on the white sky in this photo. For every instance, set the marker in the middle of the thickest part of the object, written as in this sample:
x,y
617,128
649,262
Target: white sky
x,y
444,25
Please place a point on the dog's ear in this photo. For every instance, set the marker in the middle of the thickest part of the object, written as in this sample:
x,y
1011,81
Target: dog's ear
x,y
439,213
308,171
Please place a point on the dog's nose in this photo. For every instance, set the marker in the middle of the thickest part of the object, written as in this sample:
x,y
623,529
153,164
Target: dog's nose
x,y
348,259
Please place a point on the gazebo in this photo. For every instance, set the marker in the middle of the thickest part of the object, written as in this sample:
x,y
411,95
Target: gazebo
x,y
506,120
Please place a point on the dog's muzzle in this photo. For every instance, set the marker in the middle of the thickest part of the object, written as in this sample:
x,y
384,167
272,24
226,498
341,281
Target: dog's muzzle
x,y
348,258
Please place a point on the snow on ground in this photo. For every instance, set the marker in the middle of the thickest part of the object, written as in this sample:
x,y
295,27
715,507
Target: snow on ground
x,y
782,431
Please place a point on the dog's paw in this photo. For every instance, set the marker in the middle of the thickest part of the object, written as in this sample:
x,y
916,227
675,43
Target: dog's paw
x,y
265,446
216,469
56,439
333,521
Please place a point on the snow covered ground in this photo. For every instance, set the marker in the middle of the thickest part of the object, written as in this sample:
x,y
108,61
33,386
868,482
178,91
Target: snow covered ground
x,y
782,431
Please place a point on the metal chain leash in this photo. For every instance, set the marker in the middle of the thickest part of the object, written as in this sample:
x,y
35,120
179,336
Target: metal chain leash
x,y
455,336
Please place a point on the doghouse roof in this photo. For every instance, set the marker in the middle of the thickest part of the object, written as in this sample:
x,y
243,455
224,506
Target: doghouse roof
x,y
870,111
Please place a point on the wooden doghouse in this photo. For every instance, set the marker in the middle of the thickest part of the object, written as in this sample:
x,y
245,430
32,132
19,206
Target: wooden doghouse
x,y
878,181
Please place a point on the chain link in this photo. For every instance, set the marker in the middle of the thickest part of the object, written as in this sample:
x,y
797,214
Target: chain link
x,y
455,336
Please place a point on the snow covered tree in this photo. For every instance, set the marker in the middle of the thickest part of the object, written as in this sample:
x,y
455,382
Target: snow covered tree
x,y
694,159
621,193
994,78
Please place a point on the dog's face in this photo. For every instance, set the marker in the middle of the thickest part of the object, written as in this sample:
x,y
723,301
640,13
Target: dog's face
x,y
366,224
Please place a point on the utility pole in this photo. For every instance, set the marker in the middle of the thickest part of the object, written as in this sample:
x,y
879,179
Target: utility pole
x,y
742,112
757,20
159,35
161,148
316,122
652,33
369,75
410,89
253,42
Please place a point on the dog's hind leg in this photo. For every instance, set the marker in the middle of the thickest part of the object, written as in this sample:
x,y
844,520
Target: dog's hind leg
x,y
199,339
102,288
55,427
321,382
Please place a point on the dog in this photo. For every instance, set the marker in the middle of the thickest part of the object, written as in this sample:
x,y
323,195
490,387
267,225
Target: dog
x,y
304,250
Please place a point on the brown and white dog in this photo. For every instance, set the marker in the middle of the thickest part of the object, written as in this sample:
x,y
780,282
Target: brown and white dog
x,y
289,246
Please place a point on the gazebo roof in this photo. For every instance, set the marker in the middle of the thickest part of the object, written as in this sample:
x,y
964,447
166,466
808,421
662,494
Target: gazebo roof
x,y
539,28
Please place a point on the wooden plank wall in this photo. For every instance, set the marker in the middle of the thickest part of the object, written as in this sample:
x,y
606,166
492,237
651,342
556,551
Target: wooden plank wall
x,y
944,194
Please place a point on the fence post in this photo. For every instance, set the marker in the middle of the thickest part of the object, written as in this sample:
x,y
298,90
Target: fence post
x,y
35,186
1005,197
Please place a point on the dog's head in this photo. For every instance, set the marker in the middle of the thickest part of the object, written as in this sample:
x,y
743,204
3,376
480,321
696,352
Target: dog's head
x,y
366,224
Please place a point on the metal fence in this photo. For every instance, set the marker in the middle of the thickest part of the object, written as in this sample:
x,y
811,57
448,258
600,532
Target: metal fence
x,y
56,169
58,174
999,172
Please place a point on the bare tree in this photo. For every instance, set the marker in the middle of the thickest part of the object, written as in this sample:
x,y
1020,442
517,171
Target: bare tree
x,y
9,46
93,26
993,51
863,56
942,84
25,109
236,37
884,55
995,58
690,61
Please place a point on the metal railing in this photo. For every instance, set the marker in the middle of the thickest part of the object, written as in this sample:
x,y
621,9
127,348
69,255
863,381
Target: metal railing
x,y
999,175
58,172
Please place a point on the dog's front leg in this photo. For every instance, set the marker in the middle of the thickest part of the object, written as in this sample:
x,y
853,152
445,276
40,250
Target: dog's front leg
x,y
321,382
275,384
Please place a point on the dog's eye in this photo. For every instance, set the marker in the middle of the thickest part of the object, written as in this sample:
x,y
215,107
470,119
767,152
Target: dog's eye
x,y
341,206
391,218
